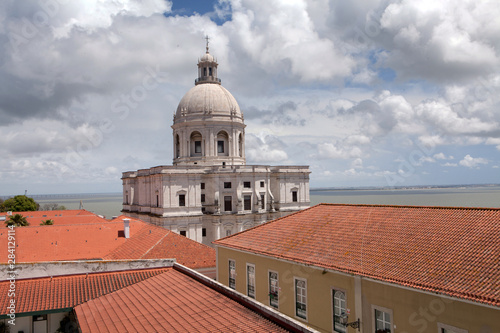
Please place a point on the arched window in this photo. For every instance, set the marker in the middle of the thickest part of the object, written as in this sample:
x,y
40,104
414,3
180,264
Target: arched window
x,y
222,144
196,144
204,71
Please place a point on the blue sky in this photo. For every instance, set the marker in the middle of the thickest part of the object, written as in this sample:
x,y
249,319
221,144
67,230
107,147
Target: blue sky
x,y
367,93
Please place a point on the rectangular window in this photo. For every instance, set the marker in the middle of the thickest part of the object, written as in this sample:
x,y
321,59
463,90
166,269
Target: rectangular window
x,y
228,203
294,196
227,184
202,197
204,232
228,232
202,186
262,201
261,184
246,185
443,328
300,298
273,289
220,146
157,200
247,202
382,321
251,280
182,200
339,310
197,147
182,233
232,274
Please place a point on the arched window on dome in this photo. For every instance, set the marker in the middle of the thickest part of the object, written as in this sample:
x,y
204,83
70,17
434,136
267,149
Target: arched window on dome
x,y
177,146
222,144
240,145
195,144
209,71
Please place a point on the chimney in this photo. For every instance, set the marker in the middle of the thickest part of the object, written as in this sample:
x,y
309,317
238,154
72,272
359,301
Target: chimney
x,y
126,228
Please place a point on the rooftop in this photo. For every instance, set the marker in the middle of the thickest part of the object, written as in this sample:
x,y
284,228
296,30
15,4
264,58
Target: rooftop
x,y
60,217
104,240
170,302
447,250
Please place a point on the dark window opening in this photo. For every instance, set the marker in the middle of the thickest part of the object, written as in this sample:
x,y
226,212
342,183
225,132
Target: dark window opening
x,y
205,71
228,204
182,233
227,184
247,202
202,185
204,232
294,196
182,200
210,71
220,146
246,185
261,184
157,200
203,198
262,201
197,147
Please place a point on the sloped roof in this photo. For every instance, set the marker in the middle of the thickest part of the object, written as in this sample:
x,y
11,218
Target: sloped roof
x,y
449,250
63,292
104,241
60,217
169,302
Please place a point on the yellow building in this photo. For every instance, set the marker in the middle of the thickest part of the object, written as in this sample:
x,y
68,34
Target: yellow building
x,y
380,268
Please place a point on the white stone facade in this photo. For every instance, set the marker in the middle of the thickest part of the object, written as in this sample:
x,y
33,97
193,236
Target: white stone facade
x,y
209,192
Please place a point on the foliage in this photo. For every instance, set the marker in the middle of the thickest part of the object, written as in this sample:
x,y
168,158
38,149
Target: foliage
x,y
47,222
20,203
17,220
4,328
1,205
53,206
68,324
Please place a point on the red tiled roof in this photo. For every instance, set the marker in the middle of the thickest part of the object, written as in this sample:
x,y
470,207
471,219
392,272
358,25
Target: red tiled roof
x,y
169,302
105,241
454,251
60,217
61,292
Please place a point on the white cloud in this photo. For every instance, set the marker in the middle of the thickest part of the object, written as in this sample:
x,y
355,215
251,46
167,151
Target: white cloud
x,y
471,162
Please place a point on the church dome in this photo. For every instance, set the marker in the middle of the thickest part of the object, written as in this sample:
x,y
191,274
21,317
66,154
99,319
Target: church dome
x,y
212,99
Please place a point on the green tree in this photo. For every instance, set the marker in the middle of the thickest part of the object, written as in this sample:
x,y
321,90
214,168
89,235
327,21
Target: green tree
x,y
1,208
53,206
47,222
20,203
17,220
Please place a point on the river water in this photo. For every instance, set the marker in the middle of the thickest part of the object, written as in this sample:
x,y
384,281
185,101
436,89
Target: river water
x,y
110,204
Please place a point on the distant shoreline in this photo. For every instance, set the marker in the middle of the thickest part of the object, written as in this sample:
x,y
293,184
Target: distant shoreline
x,y
318,189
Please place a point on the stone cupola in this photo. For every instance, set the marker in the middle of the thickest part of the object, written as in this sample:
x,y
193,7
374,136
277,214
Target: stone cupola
x,y
208,125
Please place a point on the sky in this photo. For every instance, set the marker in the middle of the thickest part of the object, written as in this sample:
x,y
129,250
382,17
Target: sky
x,y
365,92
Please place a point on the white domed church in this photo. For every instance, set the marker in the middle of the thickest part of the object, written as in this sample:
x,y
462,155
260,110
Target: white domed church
x,y
210,192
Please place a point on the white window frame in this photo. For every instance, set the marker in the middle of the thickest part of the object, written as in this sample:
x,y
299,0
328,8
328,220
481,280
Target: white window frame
x,y
229,273
333,291
249,279
386,310
275,288
295,279
453,329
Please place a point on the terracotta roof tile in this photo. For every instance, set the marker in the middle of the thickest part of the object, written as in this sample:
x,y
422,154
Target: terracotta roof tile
x,y
169,302
105,241
61,292
60,217
448,250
